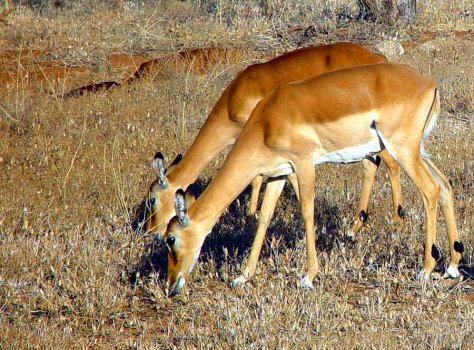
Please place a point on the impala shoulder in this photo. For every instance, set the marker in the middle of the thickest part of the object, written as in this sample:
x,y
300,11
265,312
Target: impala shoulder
x,y
402,68
251,74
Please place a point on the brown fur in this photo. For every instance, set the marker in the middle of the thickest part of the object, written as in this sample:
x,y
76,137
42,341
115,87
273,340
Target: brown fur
x,y
234,107
294,122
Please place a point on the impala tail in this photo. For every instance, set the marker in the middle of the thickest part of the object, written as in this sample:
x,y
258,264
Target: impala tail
x,y
430,123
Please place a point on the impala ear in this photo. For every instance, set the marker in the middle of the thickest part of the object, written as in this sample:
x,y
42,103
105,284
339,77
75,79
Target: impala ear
x,y
159,166
176,160
191,194
181,208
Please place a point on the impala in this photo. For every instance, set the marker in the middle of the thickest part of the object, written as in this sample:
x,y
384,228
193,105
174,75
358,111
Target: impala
x,y
340,117
232,111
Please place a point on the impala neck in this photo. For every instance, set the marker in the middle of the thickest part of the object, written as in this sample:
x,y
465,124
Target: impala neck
x,y
217,133
242,165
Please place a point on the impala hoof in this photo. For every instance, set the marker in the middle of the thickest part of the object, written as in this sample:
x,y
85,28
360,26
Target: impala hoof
x,y
350,236
423,275
251,223
452,271
238,282
177,286
306,283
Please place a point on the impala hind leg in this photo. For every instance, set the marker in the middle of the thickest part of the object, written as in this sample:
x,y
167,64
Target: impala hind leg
x,y
294,183
306,181
456,248
270,198
418,172
253,202
396,188
251,220
370,169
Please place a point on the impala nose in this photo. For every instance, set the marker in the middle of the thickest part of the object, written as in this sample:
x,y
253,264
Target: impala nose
x,y
177,286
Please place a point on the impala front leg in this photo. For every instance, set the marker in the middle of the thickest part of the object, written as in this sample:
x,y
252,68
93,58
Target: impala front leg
x,y
270,198
306,180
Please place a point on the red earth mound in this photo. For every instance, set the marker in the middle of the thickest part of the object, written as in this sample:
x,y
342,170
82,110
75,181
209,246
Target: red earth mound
x,y
26,68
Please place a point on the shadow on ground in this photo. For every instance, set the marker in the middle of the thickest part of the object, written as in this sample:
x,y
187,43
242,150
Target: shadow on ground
x,y
231,239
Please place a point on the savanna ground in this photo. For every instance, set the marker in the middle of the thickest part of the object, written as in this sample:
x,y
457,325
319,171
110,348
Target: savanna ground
x,y
74,275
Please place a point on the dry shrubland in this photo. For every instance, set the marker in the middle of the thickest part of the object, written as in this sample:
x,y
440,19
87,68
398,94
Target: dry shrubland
x,y
74,275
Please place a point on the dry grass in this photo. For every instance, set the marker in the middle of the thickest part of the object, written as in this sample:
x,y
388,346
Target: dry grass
x,y
73,274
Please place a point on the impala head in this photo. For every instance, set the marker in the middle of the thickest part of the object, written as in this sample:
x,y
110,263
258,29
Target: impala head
x,y
184,244
159,203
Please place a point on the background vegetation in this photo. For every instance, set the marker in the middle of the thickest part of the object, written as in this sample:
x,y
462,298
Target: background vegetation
x,y
74,275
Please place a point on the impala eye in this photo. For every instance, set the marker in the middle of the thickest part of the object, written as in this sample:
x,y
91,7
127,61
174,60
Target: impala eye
x,y
153,201
170,241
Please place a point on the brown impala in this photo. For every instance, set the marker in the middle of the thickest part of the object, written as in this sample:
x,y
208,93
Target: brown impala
x,y
232,111
339,117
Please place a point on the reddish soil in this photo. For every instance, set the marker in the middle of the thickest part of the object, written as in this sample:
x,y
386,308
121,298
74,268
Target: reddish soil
x,y
201,59
134,67
425,37
27,69
22,56
127,65
196,60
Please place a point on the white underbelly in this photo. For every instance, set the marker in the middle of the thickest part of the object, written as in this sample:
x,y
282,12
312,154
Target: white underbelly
x,y
349,154
282,170
345,155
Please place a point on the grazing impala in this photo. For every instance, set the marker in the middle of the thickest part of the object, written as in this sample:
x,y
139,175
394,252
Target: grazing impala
x,y
340,117
232,111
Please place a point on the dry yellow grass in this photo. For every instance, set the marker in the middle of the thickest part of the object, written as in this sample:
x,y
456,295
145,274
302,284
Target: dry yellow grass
x,y
74,275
